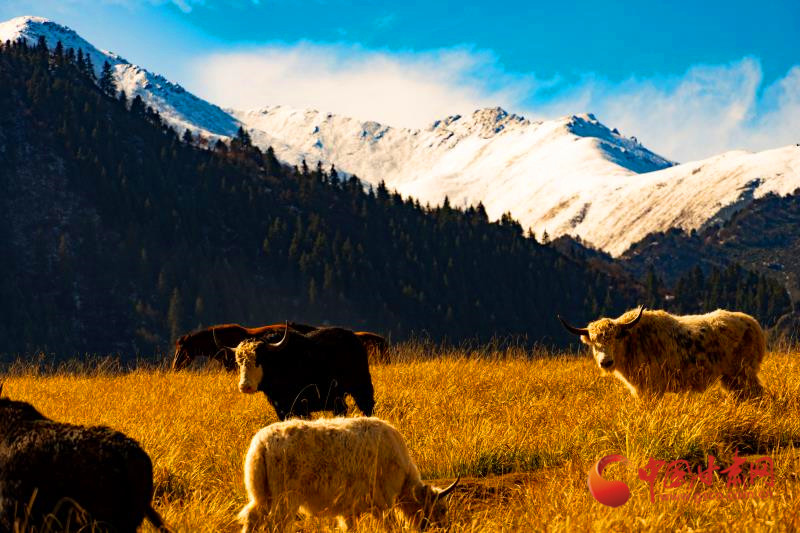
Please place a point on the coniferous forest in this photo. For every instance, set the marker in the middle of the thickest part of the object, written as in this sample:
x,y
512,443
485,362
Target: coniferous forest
x,y
119,235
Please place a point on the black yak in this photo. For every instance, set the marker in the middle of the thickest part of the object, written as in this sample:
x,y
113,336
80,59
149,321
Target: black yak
x,y
92,477
305,373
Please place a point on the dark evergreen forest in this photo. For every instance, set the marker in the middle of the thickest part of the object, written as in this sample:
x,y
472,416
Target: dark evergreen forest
x,y
118,235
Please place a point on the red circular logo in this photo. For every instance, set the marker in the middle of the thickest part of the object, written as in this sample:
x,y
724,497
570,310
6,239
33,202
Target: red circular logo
x,y
611,493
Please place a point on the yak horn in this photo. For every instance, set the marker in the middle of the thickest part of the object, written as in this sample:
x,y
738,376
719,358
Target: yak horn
x,y
633,322
449,489
282,342
573,329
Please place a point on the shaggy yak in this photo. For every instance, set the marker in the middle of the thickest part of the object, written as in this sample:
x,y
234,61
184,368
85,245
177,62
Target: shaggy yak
x,y
654,352
57,476
214,343
305,373
340,467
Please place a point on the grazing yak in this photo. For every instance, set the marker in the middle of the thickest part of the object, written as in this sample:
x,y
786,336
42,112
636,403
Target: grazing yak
x,y
340,467
654,352
214,343
92,478
305,373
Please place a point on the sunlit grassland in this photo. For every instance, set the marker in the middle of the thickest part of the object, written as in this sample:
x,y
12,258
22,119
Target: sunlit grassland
x,y
521,431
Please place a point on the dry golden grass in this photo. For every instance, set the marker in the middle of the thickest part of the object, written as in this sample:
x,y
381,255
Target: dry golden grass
x,y
522,432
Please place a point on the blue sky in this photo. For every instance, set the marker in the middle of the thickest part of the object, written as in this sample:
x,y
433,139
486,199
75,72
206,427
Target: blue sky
x,y
689,79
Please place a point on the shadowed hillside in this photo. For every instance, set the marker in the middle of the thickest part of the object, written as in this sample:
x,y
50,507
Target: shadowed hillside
x,y
118,236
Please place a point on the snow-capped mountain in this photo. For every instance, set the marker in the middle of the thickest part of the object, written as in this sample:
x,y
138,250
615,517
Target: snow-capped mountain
x,y
567,176
572,175
178,107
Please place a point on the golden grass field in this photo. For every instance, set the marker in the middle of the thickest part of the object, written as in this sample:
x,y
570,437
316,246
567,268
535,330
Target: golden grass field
x,y
521,431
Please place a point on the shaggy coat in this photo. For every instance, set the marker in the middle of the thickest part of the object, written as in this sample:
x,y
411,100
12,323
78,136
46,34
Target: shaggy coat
x,y
59,466
660,352
305,373
340,467
217,341
376,347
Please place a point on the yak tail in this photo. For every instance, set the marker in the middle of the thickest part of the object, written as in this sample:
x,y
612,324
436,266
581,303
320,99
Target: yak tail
x,y
155,519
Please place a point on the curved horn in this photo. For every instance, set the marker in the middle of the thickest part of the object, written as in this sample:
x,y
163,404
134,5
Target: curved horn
x,y
214,335
629,325
449,489
573,329
217,344
281,342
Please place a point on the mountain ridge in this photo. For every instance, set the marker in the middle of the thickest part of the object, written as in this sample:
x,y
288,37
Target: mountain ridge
x,y
568,176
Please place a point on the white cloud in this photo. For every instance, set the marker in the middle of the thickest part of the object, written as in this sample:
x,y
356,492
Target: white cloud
x,y
706,110
400,88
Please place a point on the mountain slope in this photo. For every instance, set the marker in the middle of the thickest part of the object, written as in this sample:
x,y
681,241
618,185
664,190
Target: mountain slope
x,y
535,170
567,176
571,175
763,236
177,107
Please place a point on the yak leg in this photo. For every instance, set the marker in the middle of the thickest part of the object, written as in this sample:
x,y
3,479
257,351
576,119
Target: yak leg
x,y
252,517
364,397
743,385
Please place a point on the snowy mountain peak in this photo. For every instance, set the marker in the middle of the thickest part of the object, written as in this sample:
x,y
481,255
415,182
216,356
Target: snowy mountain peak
x,y
179,108
624,151
30,28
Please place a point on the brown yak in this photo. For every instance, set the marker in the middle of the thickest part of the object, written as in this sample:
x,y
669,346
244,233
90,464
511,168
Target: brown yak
x,y
217,342
654,352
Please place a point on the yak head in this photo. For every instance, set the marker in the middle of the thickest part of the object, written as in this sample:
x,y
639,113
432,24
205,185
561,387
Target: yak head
x,y
605,336
181,359
251,370
432,503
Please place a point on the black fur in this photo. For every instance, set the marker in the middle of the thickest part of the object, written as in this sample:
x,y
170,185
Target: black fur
x,y
313,372
108,475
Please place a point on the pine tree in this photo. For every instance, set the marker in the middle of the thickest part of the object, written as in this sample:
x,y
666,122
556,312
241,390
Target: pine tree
x,y
90,68
58,54
137,105
220,146
106,81
81,61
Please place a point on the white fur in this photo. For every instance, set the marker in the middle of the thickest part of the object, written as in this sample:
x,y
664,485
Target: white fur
x,y
340,467
250,374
